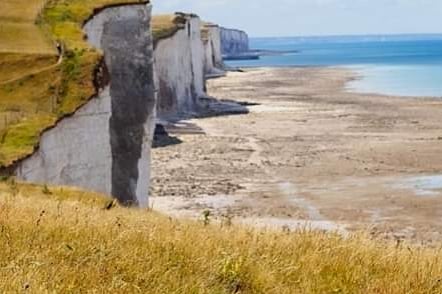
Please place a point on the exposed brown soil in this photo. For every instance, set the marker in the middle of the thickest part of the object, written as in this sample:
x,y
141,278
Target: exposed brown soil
x,y
309,152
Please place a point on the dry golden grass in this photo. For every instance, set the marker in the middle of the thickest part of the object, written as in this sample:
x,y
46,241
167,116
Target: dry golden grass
x,y
24,38
62,241
20,10
16,65
164,26
18,29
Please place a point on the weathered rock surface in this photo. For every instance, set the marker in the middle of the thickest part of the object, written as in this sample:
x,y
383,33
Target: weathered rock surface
x,y
234,42
179,64
213,60
105,145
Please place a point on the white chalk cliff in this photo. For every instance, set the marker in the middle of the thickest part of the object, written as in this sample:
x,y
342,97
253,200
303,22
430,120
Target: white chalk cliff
x,y
234,42
105,145
213,60
179,65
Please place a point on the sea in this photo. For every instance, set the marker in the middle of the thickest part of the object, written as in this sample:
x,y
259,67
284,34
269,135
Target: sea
x,y
402,65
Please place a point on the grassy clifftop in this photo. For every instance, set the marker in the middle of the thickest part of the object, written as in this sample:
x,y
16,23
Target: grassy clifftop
x,y
166,25
62,240
36,87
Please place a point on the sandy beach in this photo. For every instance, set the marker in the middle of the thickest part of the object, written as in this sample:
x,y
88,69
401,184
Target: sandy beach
x,y
308,153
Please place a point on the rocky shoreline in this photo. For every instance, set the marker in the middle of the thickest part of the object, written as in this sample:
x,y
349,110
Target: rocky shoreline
x,y
308,153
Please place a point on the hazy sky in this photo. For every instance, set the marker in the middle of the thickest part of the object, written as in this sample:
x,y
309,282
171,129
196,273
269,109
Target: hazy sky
x,y
315,17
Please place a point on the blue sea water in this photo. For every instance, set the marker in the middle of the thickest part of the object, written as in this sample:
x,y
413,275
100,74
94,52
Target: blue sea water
x,y
404,65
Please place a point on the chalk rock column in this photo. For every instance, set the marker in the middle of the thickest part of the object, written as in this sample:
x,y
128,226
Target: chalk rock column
x,y
180,70
105,145
124,34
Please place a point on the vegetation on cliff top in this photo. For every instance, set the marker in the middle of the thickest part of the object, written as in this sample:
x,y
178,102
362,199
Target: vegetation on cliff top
x,y
62,240
65,240
36,87
166,25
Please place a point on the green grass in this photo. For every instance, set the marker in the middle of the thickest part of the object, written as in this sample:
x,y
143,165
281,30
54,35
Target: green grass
x,y
58,240
27,106
23,136
32,100
64,19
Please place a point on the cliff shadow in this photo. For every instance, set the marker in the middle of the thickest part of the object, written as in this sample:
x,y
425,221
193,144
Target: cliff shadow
x,y
211,107
168,128
162,138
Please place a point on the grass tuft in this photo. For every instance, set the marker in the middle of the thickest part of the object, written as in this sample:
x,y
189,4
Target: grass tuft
x,y
67,240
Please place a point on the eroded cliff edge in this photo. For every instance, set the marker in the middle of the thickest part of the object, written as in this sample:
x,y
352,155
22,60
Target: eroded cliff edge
x,y
213,59
234,42
105,145
184,59
179,65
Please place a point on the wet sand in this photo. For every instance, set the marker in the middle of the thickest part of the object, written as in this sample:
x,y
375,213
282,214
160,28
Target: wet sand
x,y
309,154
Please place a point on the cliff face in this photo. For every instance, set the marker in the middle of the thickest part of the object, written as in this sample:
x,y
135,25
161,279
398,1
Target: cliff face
x,y
179,64
213,60
234,42
105,145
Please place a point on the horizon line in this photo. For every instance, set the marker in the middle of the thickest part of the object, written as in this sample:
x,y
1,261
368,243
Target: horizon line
x,y
352,35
